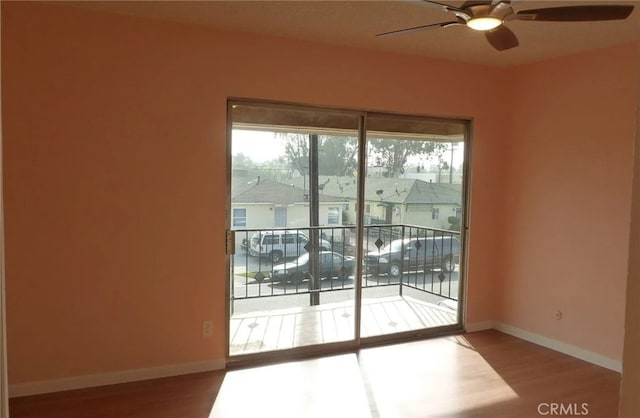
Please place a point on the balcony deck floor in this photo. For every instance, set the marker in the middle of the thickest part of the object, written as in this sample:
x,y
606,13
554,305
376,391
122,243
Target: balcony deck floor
x,y
295,327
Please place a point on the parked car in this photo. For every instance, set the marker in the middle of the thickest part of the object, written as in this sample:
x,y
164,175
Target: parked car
x,y
331,265
414,254
279,245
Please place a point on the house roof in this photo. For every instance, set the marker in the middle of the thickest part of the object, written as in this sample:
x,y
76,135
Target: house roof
x,y
394,190
269,191
443,193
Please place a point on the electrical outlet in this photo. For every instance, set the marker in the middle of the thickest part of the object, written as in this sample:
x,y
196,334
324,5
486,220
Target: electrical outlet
x,y
207,328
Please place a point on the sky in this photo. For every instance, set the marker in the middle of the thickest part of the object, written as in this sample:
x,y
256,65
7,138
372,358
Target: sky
x,y
260,146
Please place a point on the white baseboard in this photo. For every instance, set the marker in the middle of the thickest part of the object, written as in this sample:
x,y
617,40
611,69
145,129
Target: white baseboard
x,y
478,326
123,376
569,349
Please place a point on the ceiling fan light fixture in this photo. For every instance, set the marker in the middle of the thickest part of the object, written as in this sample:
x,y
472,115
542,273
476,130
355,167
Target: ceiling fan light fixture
x,y
484,23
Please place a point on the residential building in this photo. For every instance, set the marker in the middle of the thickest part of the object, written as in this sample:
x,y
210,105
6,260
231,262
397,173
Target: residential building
x,y
397,200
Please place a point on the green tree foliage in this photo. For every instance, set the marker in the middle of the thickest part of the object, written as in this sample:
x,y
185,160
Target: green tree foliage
x,y
392,154
273,169
242,161
454,223
296,148
337,155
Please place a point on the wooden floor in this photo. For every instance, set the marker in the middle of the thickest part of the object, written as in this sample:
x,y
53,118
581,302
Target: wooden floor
x,y
486,374
333,322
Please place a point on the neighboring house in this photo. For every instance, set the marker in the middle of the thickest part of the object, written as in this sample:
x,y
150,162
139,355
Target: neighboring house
x,y
397,201
262,203
434,175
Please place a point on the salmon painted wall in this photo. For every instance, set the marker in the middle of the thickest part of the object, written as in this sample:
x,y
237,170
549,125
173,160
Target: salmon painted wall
x,y
114,142
568,197
629,400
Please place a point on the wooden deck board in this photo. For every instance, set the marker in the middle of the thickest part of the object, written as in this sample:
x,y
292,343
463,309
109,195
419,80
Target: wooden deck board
x,y
333,322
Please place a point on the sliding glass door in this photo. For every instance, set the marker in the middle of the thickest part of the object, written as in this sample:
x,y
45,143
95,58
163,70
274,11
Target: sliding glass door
x,y
413,196
343,226
294,176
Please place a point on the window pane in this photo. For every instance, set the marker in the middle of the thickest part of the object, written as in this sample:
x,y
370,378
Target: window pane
x,y
294,169
333,216
239,217
412,189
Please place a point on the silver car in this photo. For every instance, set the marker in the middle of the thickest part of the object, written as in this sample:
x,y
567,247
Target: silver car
x,y
279,244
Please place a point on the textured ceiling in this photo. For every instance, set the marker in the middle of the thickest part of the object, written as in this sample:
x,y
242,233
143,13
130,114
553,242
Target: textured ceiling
x,y
355,23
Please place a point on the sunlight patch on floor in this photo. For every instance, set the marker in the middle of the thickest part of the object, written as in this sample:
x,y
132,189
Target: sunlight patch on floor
x,y
317,388
434,376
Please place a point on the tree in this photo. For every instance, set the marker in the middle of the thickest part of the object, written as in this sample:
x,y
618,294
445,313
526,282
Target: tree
x,y
454,223
337,154
392,154
275,169
296,149
242,161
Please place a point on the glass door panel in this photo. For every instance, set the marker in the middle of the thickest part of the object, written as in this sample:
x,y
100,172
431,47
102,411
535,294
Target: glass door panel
x,y
293,200
412,246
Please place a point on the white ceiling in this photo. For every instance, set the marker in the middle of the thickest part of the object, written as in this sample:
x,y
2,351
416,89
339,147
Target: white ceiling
x,y
356,22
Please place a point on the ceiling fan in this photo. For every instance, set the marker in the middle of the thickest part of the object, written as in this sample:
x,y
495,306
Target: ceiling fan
x,y
489,17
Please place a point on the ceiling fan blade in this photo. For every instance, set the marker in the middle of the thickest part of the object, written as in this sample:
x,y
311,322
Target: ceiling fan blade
x,y
468,3
575,13
418,28
444,7
502,38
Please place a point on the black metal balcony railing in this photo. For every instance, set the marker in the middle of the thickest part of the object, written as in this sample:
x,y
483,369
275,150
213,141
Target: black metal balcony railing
x,y
278,261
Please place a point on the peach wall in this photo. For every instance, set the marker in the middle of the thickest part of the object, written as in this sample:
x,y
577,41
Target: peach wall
x,y
629,400
568,197
115,165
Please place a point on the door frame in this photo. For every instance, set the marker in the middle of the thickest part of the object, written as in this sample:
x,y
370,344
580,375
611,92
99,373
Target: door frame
x,y
4,397
358,342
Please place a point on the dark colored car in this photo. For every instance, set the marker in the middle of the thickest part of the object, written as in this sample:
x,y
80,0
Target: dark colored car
x,y
331,265
414,254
